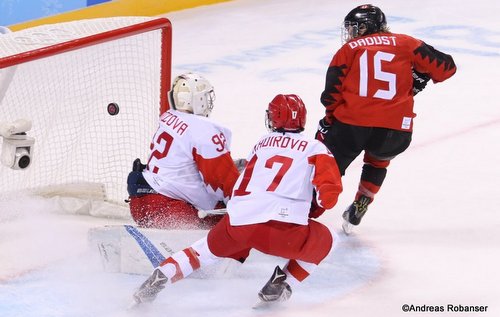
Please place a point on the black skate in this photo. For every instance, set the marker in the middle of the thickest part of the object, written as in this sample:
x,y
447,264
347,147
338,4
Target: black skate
x,y
151,287
354,213
275,290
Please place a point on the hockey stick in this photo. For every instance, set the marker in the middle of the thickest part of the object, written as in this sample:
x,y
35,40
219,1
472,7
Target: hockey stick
x,y
149,249
203,213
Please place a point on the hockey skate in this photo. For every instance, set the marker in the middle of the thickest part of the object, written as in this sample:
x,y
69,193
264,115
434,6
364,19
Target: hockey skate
x,y
151,287
275,290
353,214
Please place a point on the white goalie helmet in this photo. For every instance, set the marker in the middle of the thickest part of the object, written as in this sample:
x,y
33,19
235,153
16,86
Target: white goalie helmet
x,y
192,93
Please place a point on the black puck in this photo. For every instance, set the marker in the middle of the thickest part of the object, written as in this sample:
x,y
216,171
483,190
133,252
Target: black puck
x,y
113,109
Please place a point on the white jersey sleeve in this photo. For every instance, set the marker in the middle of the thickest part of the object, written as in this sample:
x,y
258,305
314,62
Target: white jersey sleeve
x,y
183,143
277,183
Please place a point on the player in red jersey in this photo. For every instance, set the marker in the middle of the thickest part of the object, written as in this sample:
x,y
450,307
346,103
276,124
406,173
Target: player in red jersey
x,y
288,180
368,96
190,166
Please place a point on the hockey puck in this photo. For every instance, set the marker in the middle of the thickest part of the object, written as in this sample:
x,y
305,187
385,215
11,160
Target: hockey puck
x,y
113,109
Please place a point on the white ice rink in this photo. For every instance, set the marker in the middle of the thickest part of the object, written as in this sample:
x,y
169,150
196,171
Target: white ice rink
x,y
432,236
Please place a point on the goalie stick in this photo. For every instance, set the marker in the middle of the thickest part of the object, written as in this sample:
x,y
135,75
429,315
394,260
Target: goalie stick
x,y
203,213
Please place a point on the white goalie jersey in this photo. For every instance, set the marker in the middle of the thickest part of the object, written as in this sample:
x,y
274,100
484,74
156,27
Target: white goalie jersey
x,y
190,160
278,182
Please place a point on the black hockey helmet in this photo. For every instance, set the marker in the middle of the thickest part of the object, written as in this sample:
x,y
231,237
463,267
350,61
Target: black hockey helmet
x,y
367,15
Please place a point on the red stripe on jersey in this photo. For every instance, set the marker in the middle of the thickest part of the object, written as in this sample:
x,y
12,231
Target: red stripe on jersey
x,y
326,180
178,273
218,172
192,255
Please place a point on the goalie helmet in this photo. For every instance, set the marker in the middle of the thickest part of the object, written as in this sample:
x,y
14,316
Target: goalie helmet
x,y
286,113
192,93
363,20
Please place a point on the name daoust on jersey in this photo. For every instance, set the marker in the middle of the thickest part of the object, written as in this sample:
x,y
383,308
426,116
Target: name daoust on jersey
x,y
374,40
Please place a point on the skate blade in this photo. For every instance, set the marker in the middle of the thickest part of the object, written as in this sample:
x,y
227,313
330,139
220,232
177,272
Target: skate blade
x,y
260,305
134,305
266,305
347,227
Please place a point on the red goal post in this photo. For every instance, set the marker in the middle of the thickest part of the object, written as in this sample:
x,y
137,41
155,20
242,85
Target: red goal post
x,y
62,77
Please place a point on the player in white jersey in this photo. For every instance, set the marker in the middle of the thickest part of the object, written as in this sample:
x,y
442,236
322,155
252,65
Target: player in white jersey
x,y
289,179
190,166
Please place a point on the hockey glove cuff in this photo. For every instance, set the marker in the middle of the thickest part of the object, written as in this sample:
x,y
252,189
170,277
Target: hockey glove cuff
x,y
323,128
419,81
315,211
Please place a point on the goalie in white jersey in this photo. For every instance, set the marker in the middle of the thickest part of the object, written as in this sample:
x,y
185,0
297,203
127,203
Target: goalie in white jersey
x,y
289,179
190,166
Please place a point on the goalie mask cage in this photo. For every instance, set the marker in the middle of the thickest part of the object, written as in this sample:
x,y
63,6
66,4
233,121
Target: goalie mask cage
x,y
62,77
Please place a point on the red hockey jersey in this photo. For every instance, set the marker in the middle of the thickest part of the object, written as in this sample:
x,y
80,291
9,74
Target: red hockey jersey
x,y
369,81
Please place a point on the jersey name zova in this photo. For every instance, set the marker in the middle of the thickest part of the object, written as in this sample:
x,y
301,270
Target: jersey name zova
x,y
175,123
281,142
374,40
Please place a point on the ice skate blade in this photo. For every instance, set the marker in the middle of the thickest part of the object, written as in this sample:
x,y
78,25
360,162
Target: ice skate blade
x,y
260,304
134,305
347,227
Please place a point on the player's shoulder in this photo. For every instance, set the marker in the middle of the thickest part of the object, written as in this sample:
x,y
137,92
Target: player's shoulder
x,y
400,35
313,145
318,146
407,39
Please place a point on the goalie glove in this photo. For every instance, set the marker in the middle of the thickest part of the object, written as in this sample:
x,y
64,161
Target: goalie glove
x,y
419,81
136,184
137,166
323,128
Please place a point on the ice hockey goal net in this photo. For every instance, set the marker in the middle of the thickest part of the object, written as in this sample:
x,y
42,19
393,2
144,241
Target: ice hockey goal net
x,y
62,77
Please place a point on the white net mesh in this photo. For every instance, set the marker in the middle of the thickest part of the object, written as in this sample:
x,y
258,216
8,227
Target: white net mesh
x,y
66,98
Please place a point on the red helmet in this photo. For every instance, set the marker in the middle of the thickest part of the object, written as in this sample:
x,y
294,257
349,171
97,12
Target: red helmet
x,y
286,113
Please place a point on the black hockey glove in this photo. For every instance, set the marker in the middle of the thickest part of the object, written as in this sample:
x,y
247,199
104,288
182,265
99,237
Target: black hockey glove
x,y
315,211
419,81
323,128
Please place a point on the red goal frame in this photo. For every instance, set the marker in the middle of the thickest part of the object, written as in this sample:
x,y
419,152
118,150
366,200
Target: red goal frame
x,y
166,50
